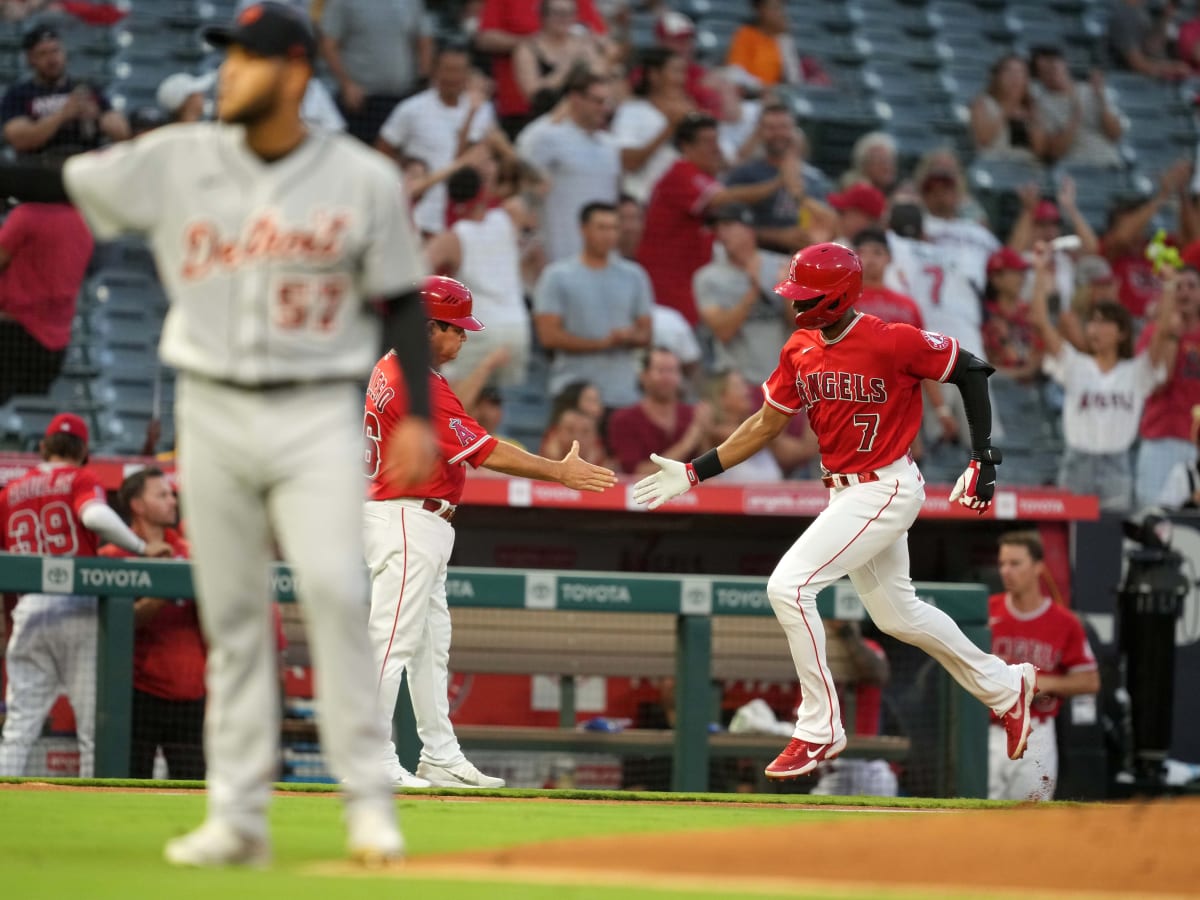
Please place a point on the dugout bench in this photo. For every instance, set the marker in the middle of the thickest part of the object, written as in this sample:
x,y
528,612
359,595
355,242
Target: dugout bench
x,y
697,628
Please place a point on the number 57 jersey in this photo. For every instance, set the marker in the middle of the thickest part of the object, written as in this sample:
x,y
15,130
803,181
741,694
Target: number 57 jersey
x,y
862,390
268,266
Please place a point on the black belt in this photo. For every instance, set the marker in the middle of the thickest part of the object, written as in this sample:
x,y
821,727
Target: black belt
x,y
292,384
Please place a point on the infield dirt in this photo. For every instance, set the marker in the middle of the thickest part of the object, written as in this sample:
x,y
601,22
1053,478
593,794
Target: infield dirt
x,y
1117,849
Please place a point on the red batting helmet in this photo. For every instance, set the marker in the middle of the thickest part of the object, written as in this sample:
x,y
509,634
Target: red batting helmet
x,y
448,300
825,280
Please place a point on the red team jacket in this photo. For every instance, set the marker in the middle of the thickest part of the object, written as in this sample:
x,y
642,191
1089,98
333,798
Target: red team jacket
x,y
862,391
1050,637
461,440
39,512
168,651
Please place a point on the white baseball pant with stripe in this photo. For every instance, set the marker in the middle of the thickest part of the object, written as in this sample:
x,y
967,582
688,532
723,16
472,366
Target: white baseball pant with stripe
x,y
408,550
52,649
283,465
863,533
1032,777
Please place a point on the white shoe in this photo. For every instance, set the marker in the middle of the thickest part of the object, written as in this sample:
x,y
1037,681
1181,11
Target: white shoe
x,y
460,774
217,844
374,838
402,778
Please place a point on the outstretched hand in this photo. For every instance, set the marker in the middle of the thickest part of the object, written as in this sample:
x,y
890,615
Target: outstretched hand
x,y
672,479
581,475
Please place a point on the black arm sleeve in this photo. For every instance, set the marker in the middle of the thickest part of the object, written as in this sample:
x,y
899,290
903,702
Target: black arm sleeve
x,y
33,183
970,375
404,331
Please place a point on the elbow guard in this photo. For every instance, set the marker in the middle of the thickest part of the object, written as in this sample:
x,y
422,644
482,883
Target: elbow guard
x,y
969,366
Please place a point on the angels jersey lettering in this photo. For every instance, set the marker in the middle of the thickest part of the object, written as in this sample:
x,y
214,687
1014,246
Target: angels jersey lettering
x,y
267,266
39,512
461,440
1051,637
862,391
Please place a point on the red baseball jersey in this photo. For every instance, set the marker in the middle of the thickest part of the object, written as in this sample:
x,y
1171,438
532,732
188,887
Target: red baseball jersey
x,y
168,651
1051,637
39,512
862,391
461,440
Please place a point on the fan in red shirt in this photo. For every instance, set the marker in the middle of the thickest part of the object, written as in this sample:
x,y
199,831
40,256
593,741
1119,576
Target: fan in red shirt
x,y
859,379
58,509
168,648
44,253
660,422
1166,430
677,241
1028,627
502,25
409,538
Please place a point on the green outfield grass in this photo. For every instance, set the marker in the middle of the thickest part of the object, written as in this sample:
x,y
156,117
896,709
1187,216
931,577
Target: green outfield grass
x,y
107,844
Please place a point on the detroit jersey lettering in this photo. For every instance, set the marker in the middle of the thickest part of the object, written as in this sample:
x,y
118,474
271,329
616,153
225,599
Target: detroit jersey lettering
x,y
39,512
863,396
268,266
461,440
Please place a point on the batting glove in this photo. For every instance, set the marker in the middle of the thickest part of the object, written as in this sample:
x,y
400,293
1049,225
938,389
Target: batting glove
x,y
672,479
976,486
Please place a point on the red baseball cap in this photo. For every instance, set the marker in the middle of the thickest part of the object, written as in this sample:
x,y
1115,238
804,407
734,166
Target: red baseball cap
x,y
1046,211
1006,258
68,423
866,198
672,24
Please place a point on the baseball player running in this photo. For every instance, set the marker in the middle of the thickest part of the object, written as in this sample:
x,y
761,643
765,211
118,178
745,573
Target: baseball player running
x,y
57,509
859,380
269,238
409,538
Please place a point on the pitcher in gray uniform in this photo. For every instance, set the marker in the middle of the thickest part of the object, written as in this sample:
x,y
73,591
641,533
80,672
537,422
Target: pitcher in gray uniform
x,y
270,238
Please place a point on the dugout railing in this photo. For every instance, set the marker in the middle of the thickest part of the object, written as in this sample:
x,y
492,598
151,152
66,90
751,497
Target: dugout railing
x,y
695,603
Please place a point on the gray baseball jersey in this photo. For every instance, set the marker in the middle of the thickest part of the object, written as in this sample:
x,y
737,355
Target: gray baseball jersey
x,y
268,266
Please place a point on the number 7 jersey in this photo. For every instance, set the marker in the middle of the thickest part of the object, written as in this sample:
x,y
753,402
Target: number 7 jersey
x,y
862,390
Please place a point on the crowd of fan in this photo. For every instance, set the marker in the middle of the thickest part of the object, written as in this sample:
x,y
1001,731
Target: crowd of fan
x,y
625,214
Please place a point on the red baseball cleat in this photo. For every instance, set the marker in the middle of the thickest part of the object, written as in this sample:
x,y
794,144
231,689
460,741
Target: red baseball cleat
x,y
1018,719
801,757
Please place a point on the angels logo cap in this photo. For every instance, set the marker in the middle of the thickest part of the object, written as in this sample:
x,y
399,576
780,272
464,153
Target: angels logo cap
x,y
268,29
68,423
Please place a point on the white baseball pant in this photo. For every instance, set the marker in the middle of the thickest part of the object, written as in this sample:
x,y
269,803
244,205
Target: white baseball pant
x,y
856,778
285,464
408,550
52,649
1032,777
863,533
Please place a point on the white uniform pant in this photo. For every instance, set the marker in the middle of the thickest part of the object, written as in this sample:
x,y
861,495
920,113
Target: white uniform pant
x,y
856,778
863,533
1032,777
52,650
408,549
282,464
